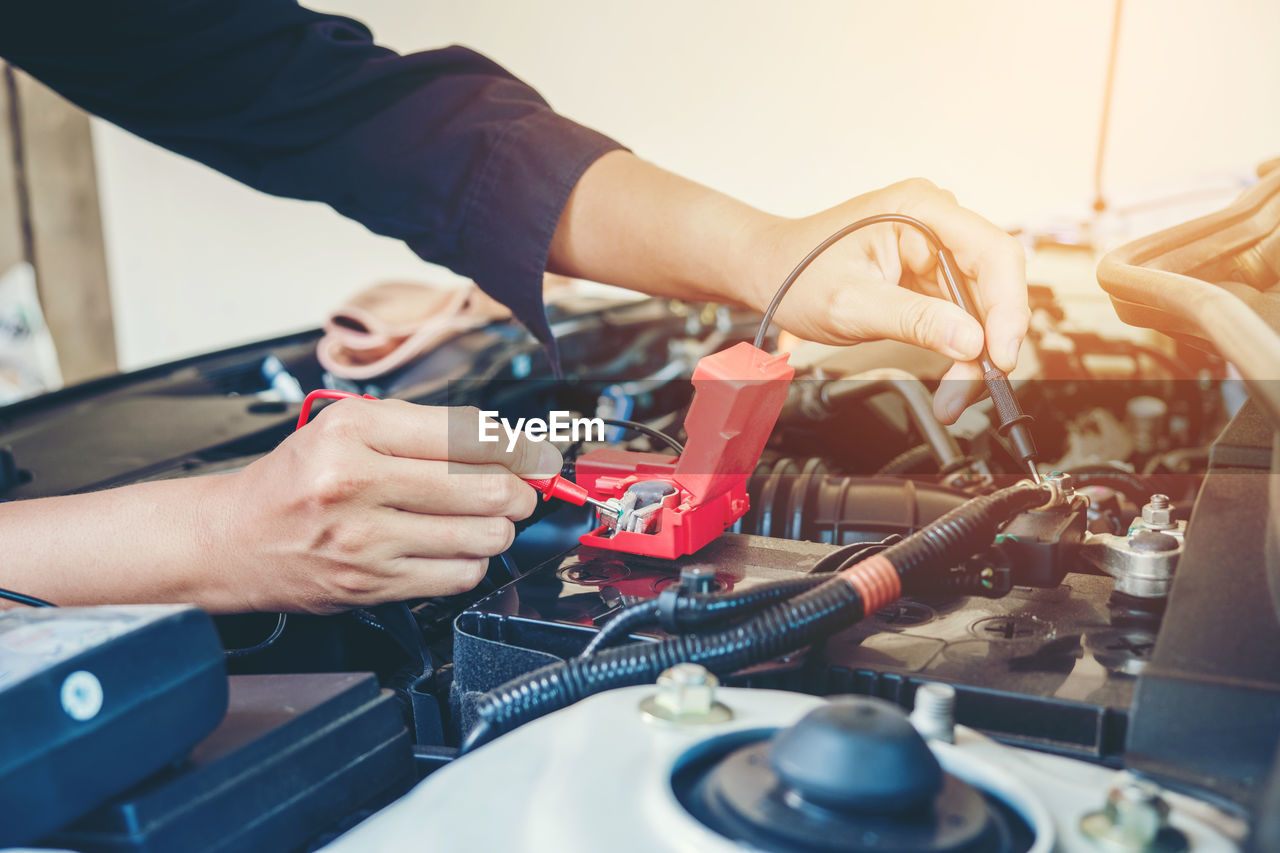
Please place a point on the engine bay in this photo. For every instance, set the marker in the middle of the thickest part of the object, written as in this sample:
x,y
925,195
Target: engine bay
x,y
1121,618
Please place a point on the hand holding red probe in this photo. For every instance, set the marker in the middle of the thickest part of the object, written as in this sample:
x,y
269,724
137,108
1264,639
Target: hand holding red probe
x,y
373,501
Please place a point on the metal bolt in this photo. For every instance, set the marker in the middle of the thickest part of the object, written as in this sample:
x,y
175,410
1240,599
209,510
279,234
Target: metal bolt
x,y
934,713
1062,488
1137,811
1157,514
1134,818
698,579
686,689
686,694
1063,479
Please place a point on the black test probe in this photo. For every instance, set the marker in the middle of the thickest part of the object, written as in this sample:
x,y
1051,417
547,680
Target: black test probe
x,y
1015,425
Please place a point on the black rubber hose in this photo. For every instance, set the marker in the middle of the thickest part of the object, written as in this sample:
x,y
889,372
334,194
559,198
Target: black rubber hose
x,y
695,611
781,628
908,460
776,630
850,554
698,610
1131,486
691,611
965,530
914,395
644,613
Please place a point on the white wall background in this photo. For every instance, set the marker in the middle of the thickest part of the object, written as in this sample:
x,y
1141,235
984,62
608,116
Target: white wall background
x,y
792,106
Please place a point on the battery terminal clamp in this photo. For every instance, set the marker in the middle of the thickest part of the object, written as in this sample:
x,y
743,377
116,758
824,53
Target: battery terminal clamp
x,y
672,506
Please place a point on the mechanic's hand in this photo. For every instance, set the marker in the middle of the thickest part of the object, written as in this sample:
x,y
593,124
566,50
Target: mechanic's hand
x,y
374,501
882,282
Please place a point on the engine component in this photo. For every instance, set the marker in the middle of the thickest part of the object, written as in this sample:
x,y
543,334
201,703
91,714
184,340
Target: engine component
x,y
818,400
738,395
639,780
934,712
639,505
854,592
1214,673
1051,666
1142,562
680,608
799,791
1135,818
1039,546
295,755
803,499
1157,515
686,695
82,720
1171,281
1145,416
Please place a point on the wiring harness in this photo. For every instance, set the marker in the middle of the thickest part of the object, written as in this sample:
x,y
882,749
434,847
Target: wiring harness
x,y
856,590
679,610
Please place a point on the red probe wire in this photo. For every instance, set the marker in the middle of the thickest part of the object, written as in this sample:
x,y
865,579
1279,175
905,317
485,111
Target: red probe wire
x,y
549,487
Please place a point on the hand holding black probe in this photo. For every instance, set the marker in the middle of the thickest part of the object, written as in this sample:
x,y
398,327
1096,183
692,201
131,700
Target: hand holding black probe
x,y
1014,423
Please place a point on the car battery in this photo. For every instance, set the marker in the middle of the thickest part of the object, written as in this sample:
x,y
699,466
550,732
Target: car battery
x,y
1052,668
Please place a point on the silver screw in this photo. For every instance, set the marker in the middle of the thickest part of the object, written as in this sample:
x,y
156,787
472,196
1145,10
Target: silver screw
x,y
1157,514
934,713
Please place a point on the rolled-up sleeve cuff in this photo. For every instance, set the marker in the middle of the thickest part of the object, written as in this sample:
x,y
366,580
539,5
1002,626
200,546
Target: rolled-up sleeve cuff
x,y
514,205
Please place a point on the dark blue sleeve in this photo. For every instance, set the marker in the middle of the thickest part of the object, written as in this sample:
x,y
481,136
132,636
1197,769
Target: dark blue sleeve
x,y
443,149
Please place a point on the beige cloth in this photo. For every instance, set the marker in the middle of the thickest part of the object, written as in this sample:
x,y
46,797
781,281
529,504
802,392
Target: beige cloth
x,y
386,326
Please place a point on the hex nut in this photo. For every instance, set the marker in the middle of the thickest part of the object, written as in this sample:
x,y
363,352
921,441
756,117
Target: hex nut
x,y
1157,514
686,694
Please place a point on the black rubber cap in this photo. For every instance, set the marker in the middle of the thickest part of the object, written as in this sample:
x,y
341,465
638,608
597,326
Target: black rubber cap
x,y
857,754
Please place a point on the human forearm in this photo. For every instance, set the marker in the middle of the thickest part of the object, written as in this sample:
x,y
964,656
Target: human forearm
x,y
148,543
632,224
635,225
373,501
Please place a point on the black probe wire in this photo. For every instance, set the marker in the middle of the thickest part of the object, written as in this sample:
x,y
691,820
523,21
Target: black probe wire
x,y
22,598
1013,421
902,219
643,429
282,619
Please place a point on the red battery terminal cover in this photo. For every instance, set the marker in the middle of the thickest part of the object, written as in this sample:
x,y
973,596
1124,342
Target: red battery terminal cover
x,y
738,395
